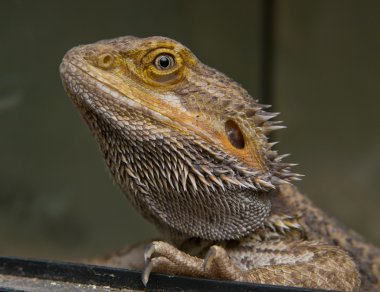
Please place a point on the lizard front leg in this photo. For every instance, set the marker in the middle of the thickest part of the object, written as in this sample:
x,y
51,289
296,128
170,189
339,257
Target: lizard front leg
x,y
293,263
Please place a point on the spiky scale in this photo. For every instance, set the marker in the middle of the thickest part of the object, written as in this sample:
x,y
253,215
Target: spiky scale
x,y
193,182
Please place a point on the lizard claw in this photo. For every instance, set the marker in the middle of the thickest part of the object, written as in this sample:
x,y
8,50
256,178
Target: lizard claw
x,y
150,249
146,273
209,258
217,264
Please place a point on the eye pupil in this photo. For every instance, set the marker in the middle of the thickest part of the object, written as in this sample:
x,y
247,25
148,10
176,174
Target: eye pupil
x,y
164,62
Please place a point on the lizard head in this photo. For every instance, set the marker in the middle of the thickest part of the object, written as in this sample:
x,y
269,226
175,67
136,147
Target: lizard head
x,y
186,144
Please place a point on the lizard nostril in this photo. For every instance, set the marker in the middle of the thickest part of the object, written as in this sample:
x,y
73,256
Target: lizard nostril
x,y
105,61
234,134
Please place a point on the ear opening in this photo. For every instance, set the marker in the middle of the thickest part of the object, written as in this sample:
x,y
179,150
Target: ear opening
x,y
234,134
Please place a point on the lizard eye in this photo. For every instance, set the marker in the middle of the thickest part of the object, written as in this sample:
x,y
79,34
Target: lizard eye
x,y
234,134
164,62
163,66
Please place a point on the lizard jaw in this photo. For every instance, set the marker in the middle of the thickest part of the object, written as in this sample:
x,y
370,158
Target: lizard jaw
x,y
78,93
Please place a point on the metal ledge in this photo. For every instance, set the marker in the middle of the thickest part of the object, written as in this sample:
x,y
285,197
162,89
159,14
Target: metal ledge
x,y
18,274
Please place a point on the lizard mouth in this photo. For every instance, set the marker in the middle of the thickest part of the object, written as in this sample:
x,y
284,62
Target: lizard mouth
x,y
88,89
93,93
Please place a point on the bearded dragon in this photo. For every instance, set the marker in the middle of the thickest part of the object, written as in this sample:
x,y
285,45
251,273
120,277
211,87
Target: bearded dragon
x,y
189,148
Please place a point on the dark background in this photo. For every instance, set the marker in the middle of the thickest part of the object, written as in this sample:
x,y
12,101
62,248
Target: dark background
x,y
316,61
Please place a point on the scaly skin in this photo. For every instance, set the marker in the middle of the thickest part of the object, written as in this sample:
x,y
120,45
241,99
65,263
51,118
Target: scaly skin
x,y
188,146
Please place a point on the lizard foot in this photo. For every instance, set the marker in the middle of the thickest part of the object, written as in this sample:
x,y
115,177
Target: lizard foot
x,y
163,257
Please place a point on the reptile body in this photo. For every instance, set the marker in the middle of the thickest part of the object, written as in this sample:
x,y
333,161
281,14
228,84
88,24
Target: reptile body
x,y
188,146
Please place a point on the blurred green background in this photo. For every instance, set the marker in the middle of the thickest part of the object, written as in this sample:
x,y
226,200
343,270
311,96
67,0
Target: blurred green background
x,y
318,62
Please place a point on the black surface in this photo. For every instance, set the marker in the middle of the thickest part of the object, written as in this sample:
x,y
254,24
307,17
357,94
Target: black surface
x,y
121,278
9,289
